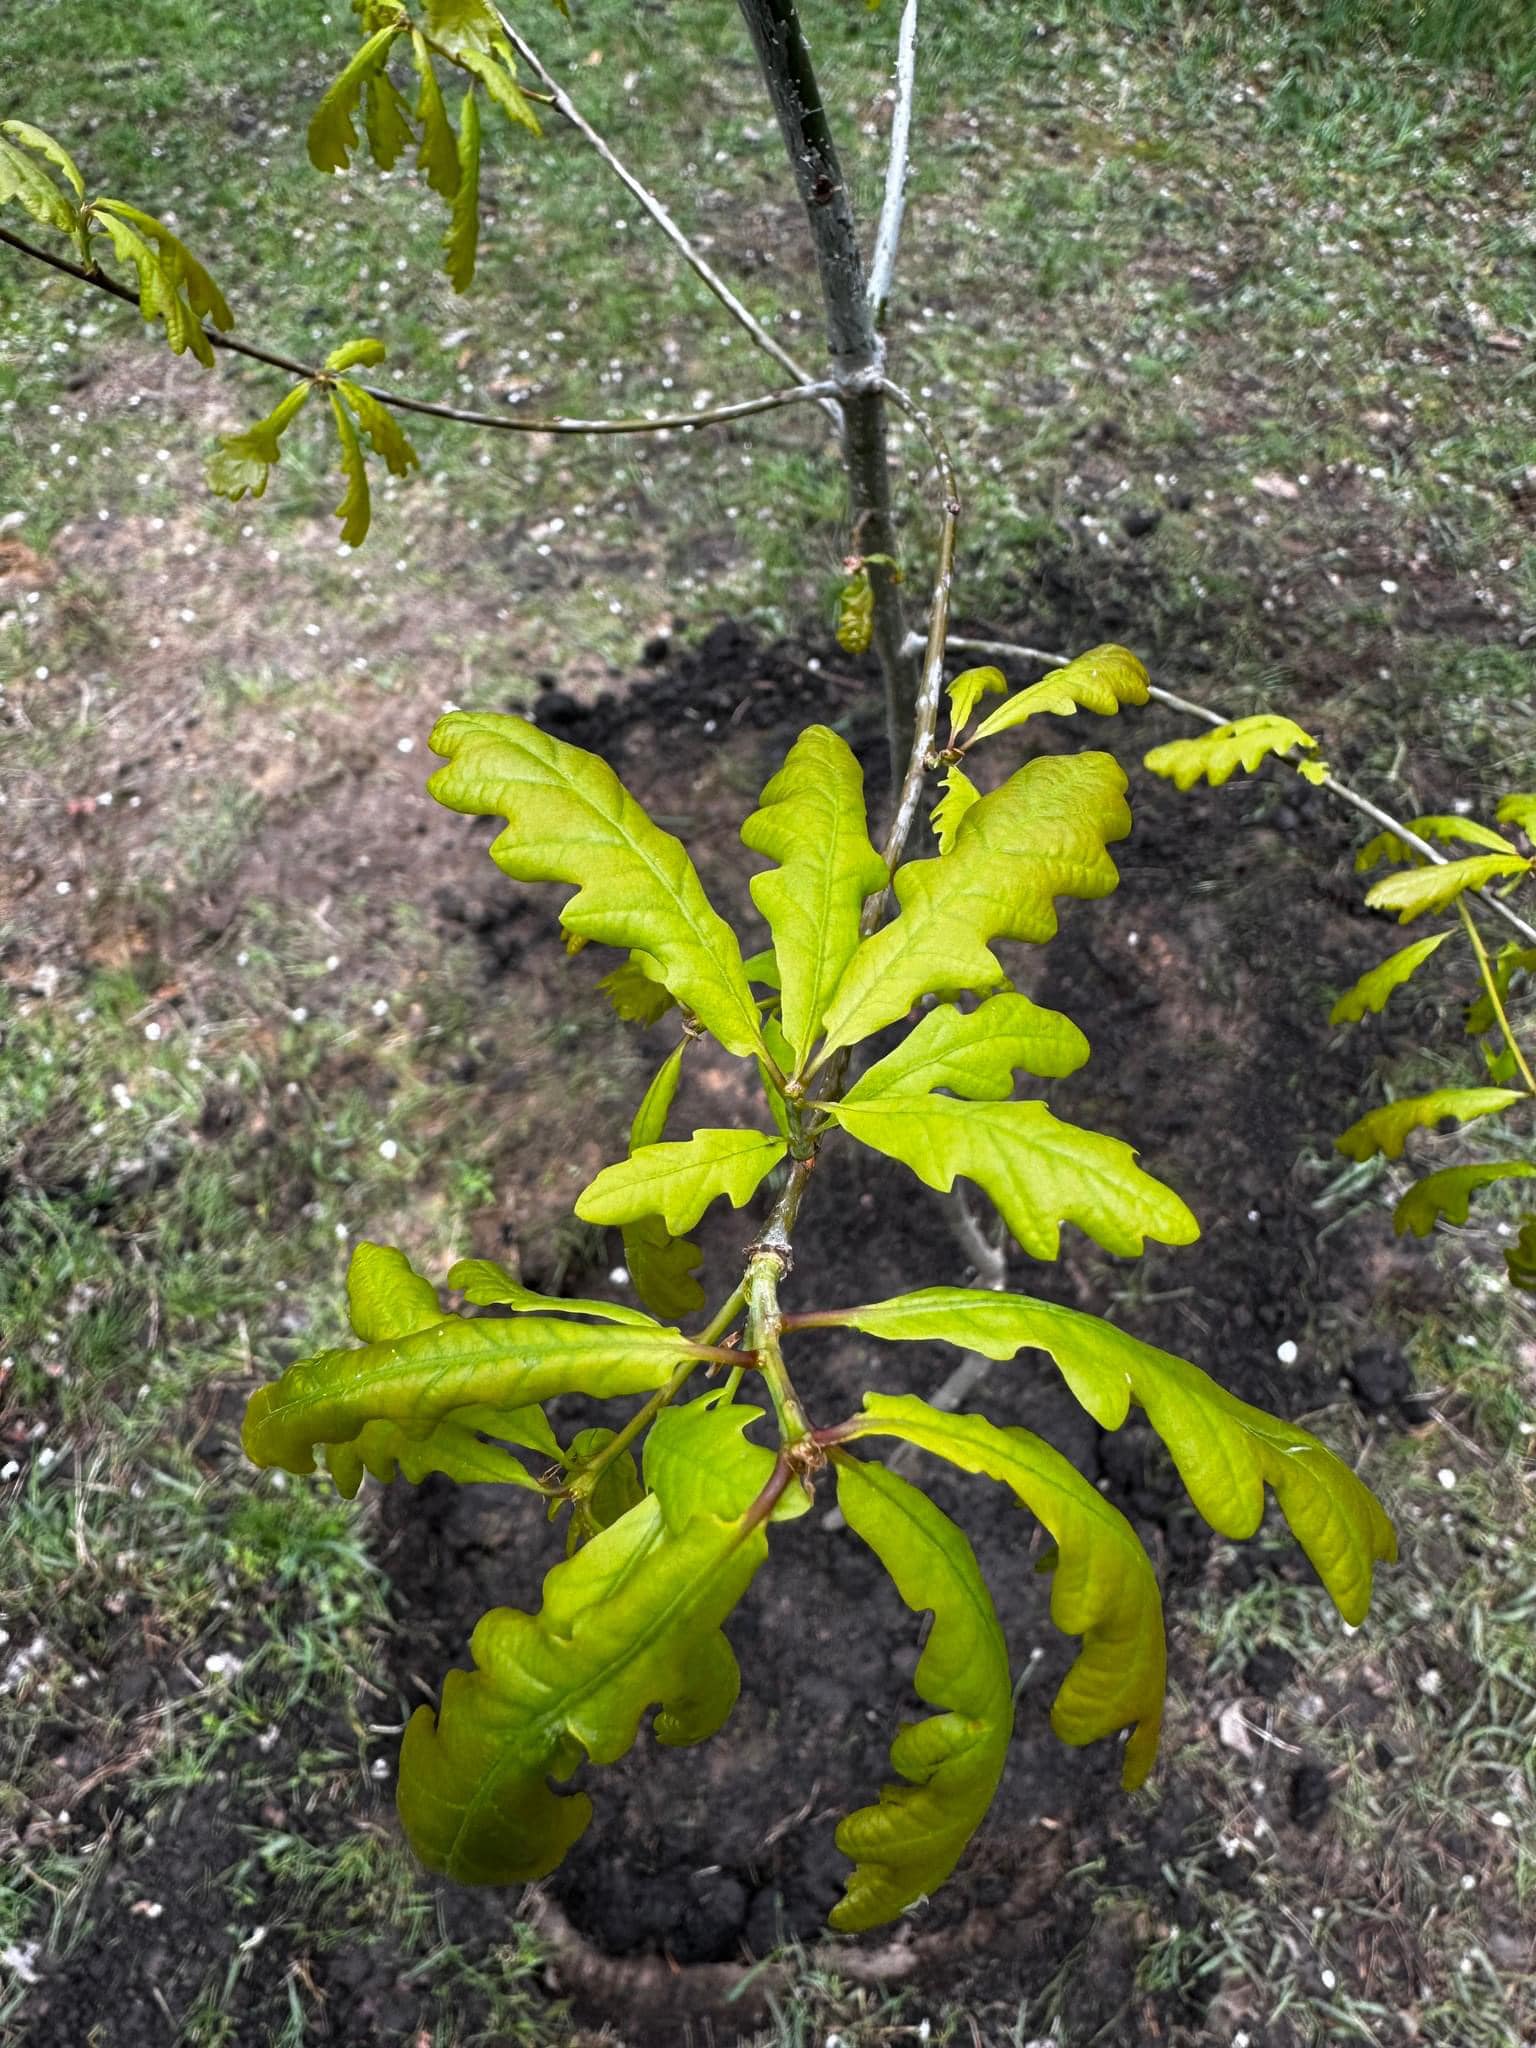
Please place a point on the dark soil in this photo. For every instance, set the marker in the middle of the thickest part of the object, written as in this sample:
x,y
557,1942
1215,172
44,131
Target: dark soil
x,y
1202,983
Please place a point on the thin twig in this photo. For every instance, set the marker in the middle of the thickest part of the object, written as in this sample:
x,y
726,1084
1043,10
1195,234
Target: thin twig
x,y
1330,782
737,409
898,165
931,687
1485,969
566,107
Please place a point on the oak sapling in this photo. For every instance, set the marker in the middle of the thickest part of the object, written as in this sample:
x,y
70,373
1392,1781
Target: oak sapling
x,y
671,1516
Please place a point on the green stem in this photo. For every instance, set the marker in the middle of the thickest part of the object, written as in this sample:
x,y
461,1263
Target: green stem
x,y
592,1468
1485,969
764,1273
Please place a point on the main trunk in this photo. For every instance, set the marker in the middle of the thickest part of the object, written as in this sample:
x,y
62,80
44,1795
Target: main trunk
x,y
853,343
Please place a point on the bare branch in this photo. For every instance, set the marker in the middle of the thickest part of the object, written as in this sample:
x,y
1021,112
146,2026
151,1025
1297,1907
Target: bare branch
x,y
898,166
931,687
1330,782
566,107
500,423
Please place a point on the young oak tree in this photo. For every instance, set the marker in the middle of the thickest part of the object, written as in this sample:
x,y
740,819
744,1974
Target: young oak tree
x,y
661,1546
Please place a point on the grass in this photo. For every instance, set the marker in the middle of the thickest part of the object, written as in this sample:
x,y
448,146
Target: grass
x,y
1259,273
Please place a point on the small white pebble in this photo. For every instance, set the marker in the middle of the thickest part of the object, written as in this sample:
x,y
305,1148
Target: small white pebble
x,y
405,746
1330,1981
380,1008
618,1276
1389,586
1501,1819
1430,1682
152,1032
1287,1353
388,1149
1446,1477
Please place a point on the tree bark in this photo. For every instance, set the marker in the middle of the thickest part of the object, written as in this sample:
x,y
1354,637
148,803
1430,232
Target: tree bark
x,y
854,345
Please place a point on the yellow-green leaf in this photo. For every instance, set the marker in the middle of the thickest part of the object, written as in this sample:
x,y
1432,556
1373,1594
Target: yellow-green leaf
x,y
460,1362
461,242
976,1052
438,157
661,1266
355,510
635,997
244,461
855,625
486,1283
570,819
907,1845
186,273
388,1450
386,119
631,1621
959,794
366,351
1245,743
618,1487
1390,846
678,1181
500,81
1225,1450
1041,835
159,292
1449,1194
1103,1587
332,137
619,1631
1101,680
699,1461
967,691
30,185
812,823
1510,960
1039,1172
45,145
381,427
1518,809
387,1297
1417,890
1386,1130
1371,991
